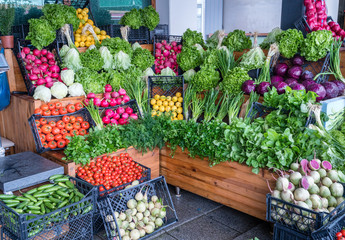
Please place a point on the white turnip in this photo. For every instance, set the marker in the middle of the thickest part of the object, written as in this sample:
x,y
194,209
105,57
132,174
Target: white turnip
x,y
332,201
316,176
324,191
337,190
301,194
326,181
282,183
333,175
314,189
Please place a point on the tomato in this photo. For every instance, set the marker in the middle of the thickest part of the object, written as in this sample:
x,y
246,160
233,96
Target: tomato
x,y
65,119
52,124
55,112
78,106
44,107
61,143
63,131
37,123
42,137
60,124
79,119
122,155
68,126
39,130
51,106
55,130
66,135
343,232
70,108
72,119
58,105
57,137
126,155
38,111
76,125
50,137
62,110
74,132
46,129
52,144
47,113
338,234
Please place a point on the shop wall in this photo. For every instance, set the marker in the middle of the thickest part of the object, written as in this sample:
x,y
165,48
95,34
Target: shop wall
x,y
332,7
162,7
182,15
213,16
252,15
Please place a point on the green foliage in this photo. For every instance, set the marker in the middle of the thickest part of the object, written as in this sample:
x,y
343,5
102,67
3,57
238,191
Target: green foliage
x,y
92,59
133,19
91,80
190,38
116,79
233,80
290,42
59,15
316,45
237,41
117,44
253,59
142,58
150,17
189,58
41,33
205,79
7,14
271,38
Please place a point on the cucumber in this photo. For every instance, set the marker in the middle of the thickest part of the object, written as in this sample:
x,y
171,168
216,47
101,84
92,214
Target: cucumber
x,y
7,196
35,212
62,194
20,211
22,199
56,176
49,205
10,201
43,209
38,203
63,179
11,204
71,196
46,200
33,207
79,194
62,184
53,189
69,184
62,204
32,191
22,205
41,194
45,187
30,197
54,199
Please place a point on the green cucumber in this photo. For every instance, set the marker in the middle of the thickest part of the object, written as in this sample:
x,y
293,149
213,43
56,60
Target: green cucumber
x,y
79,194
56,176
22,199
11,204
62,204
30,197
54,199
11,201
43,187
7,196
63,179
41,194
53,189
32,191
38,203
20,211
62,194
22,205
33,207
62,184
69,184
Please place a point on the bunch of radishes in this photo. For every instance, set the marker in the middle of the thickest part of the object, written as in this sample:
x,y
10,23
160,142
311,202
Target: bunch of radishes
x,y
119,116
316,14
41,67
165,56
110,99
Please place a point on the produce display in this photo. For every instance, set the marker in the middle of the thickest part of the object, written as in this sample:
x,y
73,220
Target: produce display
x,y
165,56
173,104
289,42
122,170
237,41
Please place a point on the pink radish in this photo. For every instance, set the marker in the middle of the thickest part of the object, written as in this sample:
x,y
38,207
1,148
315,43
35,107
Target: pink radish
x,y
49,84
91,95
112,102
129,110
125,99
44,52
48,79
115,94
158,45
113,121
134,116
51,62
122,92
104,103
120,110
109,113
118,101
33,77
26,50
122,121
106,120
55,75
108,88
41,81
107,95
96,101
125,115
116,116
50,56
36,52
87,101
54,68
326,165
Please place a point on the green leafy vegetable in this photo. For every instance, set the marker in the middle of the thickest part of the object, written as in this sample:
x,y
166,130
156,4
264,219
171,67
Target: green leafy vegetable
x,y
60,14
237,41
92,59
316,45
254,58
190,38
142,58
150,17
205,79
91,80
215,40
133,19
116,79
189,58
290,42
116,45
233,80
271,38
41,33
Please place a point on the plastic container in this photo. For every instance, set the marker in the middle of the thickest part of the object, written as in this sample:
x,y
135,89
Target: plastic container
x,y
328,232
39,147
117,202
141,35
71,222
161,29
280,232
302,25
25,43
168,38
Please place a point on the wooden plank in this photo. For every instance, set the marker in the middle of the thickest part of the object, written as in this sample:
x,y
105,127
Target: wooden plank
x,y
14,76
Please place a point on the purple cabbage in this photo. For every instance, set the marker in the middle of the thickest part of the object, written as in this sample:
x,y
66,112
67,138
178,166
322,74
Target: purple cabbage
x,y
298,86
262,88
295,72
281,69
298,60
341,87
318,89
248,86
332,90
307,82
307,75
276,79
291,81
281,87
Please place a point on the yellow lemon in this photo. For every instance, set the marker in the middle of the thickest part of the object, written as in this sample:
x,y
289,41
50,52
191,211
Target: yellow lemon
x,y
82,22
155,107
156,97
167,108
83,38
161,108
76,44
77,35
103,33
168,98
171,104
108,36
80,16
174,99
89,21
173,108
83,13
80,25
153,101
159,102
85,18
86,10
79,10
180,117
179,110
153,113
89,38
178,94
175,118
82,44
163,97
174,114
180,99
178,104
99,36
87,43
165,103
78,31
77,39
97,30
103,37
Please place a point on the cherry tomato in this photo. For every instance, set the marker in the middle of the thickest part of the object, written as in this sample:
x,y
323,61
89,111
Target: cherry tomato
x,y
42,137
79,119
55,130
70,108
343,232
50,137
37,122
57,137
338,234
72,119
45,144
55,112
52,123
126,155
51,106
68,126
74,132
58,105
62,110
60,124
61,143
38,111
78,106
63,131
47,113
44,107
82,132
46,129
76,125
66,119
85,125
66,135
52,144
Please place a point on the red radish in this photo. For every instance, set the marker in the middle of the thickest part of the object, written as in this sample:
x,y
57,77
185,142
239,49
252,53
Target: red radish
x,y
107,95
113,121
43,59
116,116
44,52
48,79
22,54
26,50
173,43
54,68
125,99
168,47
134,116
104,103
33,77
49,84
48,73
91,95
122,121
35,70
115,94
125,115
129,110
122,92
164,42
50,56
112,102
108,88
86,101
118,101
166,53
96,101
28,67
36,52
55,75
41,81
51,62
109,113
120,110
106,120
43,68
158,45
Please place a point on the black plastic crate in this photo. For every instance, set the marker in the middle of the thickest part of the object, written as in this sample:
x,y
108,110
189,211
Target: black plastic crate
x,y
299,219
161,29
39,147
281,232
53,47
302,25
328,231
117,202
61,38
254,73
315,68
73,221
141,35
168,38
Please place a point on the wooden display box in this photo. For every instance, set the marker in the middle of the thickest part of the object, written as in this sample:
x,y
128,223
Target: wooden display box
x,y
229,183
149,159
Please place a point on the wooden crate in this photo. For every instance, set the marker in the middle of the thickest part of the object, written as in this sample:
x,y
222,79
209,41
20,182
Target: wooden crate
x,y
229,183
14,76
149,159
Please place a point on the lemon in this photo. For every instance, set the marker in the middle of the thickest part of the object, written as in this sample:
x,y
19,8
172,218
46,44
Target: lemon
x,y
89,38
108,36
165,103
163,97
87,43
89,21
153,101
153,113
159,102
156,97
171,104
155,107
83,38
97,30
178,94
85,18
168,98
82,44
80,16
79,10
103,37
76,44
180,99
174,114
78,31
77,39
179,110
103,33
178,104
174,99
80,25
175,118
180,117
173,108
161,108
168,109
86,10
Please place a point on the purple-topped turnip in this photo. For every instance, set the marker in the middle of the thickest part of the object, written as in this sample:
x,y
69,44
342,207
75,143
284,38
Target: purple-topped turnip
x,y
307,75
332,90
298,60
281,69
276,79
291,82
341,87
295,72
263,87
248,86
318,89
281,87
298,86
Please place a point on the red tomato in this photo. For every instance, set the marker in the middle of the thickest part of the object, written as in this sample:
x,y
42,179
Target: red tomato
x,y
338,234
60,124
43,121
47,113
65,119
51,106
79,119
52,144
74,132
50,137
52,124
76,125
343,232
57,137
44,107
126,155
66,135
42,137
38,129
62,110
72,119
61,143
46,129
70,108
55,112
45,144
56,130
63,131
37,122
68,126
58,105
38,111
78,106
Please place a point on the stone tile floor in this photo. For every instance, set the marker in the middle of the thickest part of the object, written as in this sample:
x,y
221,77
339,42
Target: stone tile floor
x,y
203,219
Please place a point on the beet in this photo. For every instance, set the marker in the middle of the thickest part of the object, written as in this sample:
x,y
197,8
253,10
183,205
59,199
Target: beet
x,y
281,87
307,82
263,87
331,90
298,86
291,81
281,69
306,75
341,87
295,72
298,60
276,79
248,86
318,89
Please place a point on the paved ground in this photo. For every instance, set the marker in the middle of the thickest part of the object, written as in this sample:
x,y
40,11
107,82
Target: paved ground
x,y
203,219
